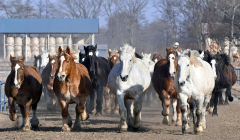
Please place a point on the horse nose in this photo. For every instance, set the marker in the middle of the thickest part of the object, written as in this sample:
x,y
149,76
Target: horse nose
x,y
124,79
181,83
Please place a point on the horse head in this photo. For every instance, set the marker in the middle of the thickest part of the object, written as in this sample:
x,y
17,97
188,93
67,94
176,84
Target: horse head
x,y
172,59
65,60
53,61
183,66
90,52
18,70
82,57
148,62
44,59
127,58
37,61
113,57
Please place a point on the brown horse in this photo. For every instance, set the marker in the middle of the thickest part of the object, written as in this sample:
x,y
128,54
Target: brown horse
x,y
113,59
156,57
48,76
71,85
24,87
163,83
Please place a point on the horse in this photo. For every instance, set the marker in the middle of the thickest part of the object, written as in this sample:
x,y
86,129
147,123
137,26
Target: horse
x,y
150,65
37,62
163,83
156,57
24,87
48,76
82,57
113,108
194,80
98,69
71,85
128,80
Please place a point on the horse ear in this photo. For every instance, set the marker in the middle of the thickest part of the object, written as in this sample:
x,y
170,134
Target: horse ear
x,y
84,47
95,47
42,49
59,50
109,51
118,51
149,55
167,48
142,53
133,51
189,53
23,59
11,57
68,50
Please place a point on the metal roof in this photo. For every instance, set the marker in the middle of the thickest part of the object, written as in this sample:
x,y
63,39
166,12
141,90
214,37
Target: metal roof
x,y
49,25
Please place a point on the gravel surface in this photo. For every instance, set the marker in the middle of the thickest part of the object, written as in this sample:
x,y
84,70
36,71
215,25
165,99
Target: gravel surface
x,y
224,126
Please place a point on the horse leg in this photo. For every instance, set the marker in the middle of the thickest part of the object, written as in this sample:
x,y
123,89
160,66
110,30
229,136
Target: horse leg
x,y
137,111
183,99
115,109
51,100
26,114
34,121
128,103
165,105
176,111
92,98
66,117
212,101
12,109
107,100
205,103
221,101
122,110
193,112
200,112
216,96
228,94
99,100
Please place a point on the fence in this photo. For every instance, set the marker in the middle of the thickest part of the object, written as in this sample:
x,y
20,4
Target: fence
x,y
3,100
237,70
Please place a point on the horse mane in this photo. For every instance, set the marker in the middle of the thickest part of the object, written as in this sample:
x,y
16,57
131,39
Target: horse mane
x,y
226,59
127,49
72,54
193,59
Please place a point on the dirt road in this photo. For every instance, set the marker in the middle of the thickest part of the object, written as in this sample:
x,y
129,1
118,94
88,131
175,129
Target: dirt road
x,y
224,126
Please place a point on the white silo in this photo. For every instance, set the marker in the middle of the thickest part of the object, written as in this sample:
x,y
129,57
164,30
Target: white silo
x,y
52,47
10,47
35,46
59,42
18,47
42,44
28,47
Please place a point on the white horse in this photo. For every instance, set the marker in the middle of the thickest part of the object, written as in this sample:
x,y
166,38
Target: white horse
x,y
194,80
129,79
150,65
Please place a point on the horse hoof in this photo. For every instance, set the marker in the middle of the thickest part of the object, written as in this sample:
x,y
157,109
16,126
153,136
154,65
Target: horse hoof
x,y
179,123
211,110
107,110
230,98
115,111
226,103
136,128
76,127
199,129
98,114
214,113
165,121
66,128
13,118
26,128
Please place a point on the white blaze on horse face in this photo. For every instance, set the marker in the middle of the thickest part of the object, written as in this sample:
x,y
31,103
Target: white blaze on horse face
x,y
62,58
184,69
15,78
214,68
97,53
38,63
44,59
156,60
53,61
172,67
83,59
90,54
114,57
126,64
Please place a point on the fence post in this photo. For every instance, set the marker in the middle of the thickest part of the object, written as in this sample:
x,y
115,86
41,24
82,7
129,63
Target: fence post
x,y
1,101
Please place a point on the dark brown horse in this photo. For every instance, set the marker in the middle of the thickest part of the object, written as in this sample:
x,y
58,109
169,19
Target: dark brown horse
x,y
113,59
48,76
163,83
23,87
156,57
71,85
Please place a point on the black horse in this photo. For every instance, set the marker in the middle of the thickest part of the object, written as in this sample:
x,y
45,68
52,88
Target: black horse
x,y
98,69
224,79
82,57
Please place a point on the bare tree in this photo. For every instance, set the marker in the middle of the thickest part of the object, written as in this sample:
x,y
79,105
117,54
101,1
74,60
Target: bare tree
x,y
133,10
80,8
40,8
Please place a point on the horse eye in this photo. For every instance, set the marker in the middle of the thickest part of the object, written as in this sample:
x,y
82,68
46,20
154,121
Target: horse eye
x,y
67,61
130,60
187,64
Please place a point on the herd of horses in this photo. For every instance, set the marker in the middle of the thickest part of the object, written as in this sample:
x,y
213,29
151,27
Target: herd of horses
x,y
189,80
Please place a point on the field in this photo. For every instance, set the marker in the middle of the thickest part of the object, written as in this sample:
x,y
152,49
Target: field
x,y
224,126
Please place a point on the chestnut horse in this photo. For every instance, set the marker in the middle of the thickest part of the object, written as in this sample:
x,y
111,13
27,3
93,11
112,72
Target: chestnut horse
x,y
71,85
24,87
113,59
48,76
163,83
